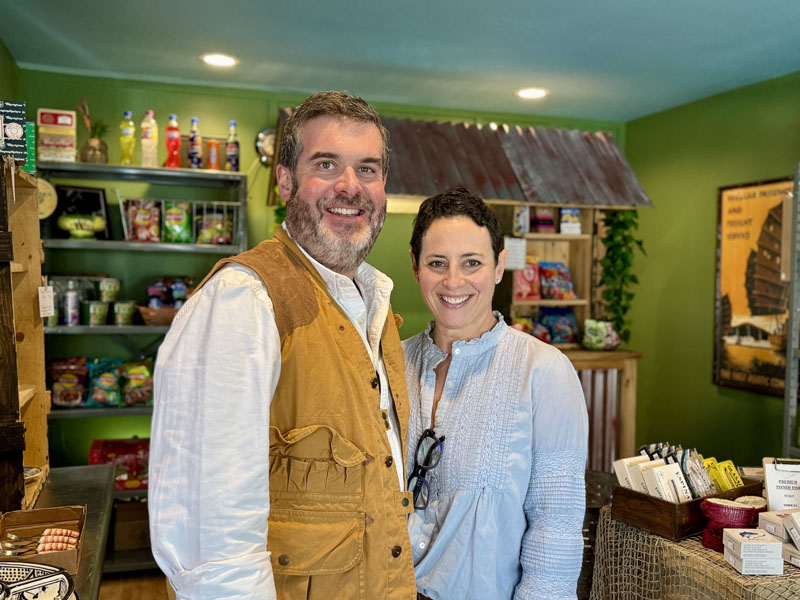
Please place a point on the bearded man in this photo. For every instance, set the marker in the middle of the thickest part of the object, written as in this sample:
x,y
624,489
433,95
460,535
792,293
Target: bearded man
x,y
279,426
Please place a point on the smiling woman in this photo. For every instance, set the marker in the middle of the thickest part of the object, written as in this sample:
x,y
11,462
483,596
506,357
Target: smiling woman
x,y
508,419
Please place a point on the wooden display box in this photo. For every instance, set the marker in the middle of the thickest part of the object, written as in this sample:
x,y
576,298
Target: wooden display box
x,y
27,523
668,519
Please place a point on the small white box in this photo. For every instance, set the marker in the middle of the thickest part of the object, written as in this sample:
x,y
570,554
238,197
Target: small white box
x,y
791,554
771,521
756,565
791,523
752,543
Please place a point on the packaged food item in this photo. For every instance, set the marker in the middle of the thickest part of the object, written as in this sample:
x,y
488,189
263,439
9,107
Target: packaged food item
x,y
541,332
561,323
69,382
542,220
144,217
104,387
177,222
570,220
137,388
599,335
130,459
214,227
527,285
556,281
524,324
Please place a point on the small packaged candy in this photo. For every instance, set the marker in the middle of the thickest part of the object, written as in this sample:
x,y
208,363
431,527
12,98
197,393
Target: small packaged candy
x,y
570,220
527,285
561,323
556,281
524,324
541,332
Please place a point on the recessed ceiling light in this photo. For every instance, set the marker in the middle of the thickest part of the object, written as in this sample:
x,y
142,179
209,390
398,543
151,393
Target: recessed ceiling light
x,y
219,60
532,93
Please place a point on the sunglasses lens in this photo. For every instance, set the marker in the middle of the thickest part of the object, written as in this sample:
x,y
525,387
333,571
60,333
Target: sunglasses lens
x,y
428,452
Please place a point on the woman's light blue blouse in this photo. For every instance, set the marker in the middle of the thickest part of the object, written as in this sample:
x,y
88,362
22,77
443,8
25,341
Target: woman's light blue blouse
x,y
508,496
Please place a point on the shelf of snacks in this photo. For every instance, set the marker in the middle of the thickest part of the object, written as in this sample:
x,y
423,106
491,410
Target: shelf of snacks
x,y
558,237
106,329
69,244
542,302
199,177
86,413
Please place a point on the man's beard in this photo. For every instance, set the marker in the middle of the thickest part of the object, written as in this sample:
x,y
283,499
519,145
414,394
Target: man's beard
x,y
338,253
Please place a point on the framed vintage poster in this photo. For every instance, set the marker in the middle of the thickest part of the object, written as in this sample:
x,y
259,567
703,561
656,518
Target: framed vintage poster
x,y
753,253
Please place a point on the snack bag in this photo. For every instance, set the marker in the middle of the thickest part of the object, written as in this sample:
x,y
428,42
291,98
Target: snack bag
x,y
524,324
104,388
556,281
214,228
599,335
70,382
145,219
561,323
541,332
527,285
177,222
137,388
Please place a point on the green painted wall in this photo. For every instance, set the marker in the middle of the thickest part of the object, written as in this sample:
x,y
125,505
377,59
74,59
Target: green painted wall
x,y
214,107
9,74
682,156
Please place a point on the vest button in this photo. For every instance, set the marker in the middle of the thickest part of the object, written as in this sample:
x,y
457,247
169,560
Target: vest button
x,y
341,327
284,560
396,551
389,461
404,502
375,383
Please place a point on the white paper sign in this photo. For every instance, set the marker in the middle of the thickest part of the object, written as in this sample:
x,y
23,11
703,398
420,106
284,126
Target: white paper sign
x,y
46,308
517,248
782,484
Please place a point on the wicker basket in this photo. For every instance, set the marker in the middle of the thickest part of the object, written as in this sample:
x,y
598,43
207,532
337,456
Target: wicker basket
x,y
157,316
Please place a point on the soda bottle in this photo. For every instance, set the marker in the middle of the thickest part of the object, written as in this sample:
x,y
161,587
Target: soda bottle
x,y
232,149
173,143
127,140
195,146
149,140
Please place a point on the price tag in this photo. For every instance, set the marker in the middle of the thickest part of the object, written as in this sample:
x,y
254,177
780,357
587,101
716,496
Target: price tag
x,y
46,308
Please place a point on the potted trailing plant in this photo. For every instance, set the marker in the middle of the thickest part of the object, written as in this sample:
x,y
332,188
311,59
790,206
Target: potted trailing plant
x,y
616,279
93,150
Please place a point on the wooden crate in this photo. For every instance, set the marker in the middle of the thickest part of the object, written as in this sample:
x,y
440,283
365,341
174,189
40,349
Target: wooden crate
x,y
668,519
28,401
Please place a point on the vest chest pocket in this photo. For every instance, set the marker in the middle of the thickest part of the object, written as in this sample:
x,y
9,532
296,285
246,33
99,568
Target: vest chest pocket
x,y
315,468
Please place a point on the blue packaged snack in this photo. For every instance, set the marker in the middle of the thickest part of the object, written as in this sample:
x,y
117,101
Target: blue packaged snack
x,y
561,323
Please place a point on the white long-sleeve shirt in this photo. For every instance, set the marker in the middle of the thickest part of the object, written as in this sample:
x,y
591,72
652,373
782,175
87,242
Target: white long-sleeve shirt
x,y
215,375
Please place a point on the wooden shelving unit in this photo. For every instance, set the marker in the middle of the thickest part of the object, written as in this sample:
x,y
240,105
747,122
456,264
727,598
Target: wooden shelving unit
x,y
24,402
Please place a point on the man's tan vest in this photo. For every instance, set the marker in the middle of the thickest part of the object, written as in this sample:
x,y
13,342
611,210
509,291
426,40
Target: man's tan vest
x,y
337,522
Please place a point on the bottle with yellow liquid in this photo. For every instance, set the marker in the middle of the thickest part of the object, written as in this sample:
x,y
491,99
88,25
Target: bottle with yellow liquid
x,y
127,138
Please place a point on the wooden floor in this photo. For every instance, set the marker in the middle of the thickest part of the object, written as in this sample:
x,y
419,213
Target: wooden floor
x,y
147,585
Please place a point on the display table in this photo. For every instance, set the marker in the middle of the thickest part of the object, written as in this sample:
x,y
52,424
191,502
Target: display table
x,y
93,487
633,563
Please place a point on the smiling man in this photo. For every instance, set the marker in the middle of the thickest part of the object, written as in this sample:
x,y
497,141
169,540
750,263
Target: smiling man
x,y
280,421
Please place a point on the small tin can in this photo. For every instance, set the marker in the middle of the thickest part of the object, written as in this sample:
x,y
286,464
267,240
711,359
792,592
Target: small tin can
x,y
212,162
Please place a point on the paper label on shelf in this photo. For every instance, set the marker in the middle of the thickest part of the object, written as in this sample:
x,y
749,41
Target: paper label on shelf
x,y
46,308
517,249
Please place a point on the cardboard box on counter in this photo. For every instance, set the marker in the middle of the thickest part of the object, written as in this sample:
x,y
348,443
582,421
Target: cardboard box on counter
x,y
771,521
752,543
754,566
791,554
28,523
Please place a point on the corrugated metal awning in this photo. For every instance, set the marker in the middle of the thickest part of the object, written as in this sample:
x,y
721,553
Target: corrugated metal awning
x,y
524,164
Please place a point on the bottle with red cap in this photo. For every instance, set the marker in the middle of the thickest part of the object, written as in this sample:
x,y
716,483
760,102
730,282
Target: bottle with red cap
x,y
173,143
